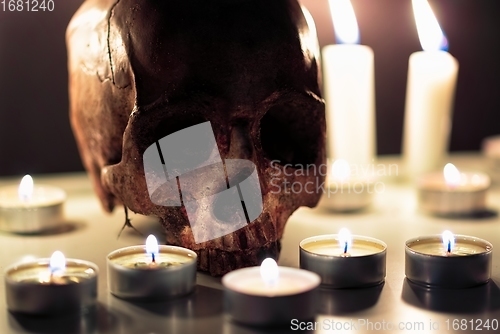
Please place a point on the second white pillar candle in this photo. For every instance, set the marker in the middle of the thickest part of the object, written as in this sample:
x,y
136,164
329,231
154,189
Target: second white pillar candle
x,y
432,77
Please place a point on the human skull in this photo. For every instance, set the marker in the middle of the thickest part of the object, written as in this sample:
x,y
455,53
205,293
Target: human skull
x,y
142,70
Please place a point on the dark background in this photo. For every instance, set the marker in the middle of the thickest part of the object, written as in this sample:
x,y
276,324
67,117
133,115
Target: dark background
x,y
35,136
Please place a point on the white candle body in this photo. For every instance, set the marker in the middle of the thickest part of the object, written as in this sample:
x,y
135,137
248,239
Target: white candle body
x,y
329,250
250,300
439,249
464,246
350,102
38,272
42,196
254,285
129,257
432,77
329,245
43,211
291,281
469,182
468,197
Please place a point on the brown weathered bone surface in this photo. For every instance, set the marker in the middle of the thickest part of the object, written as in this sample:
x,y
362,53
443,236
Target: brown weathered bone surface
x,y
140,70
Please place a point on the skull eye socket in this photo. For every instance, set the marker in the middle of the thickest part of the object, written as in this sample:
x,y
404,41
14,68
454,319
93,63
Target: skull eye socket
x,y
176,123
290,134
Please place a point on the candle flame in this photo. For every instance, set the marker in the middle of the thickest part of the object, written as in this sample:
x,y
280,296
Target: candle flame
x,y
341,170
25,190
344,21
57,262
430,34
345,240
152,246
448,241
451,175
269,272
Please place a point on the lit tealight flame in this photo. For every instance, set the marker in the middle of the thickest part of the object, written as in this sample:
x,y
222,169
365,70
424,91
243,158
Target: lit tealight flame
x,y
451,175
448,241
57,263
269,272
152,247
344,21
430,34
345,240
25,190
341,170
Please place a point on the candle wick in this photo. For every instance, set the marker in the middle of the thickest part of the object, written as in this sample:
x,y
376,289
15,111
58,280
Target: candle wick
x,y
52,277
345,248
153,256
449,246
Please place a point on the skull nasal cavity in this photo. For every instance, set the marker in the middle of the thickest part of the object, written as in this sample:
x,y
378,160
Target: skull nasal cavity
x,y
287,135
180,122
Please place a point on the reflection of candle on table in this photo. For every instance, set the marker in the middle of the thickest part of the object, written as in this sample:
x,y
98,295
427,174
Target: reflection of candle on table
x,y
344,260
453,192
28,208
349,90
432,77
447,260
270,295
151,272
346,192
51,286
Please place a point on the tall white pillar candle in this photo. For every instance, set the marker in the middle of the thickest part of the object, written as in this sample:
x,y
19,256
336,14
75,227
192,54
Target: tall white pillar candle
x,y
432,77
349,90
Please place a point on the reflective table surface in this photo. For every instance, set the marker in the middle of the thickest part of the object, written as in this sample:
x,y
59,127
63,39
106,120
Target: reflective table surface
x,y
397,306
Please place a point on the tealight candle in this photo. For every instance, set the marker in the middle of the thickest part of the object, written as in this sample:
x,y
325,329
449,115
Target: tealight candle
x,y
29,208
344,260
51,286
453,192
270,295
346,192
447,260
151,272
